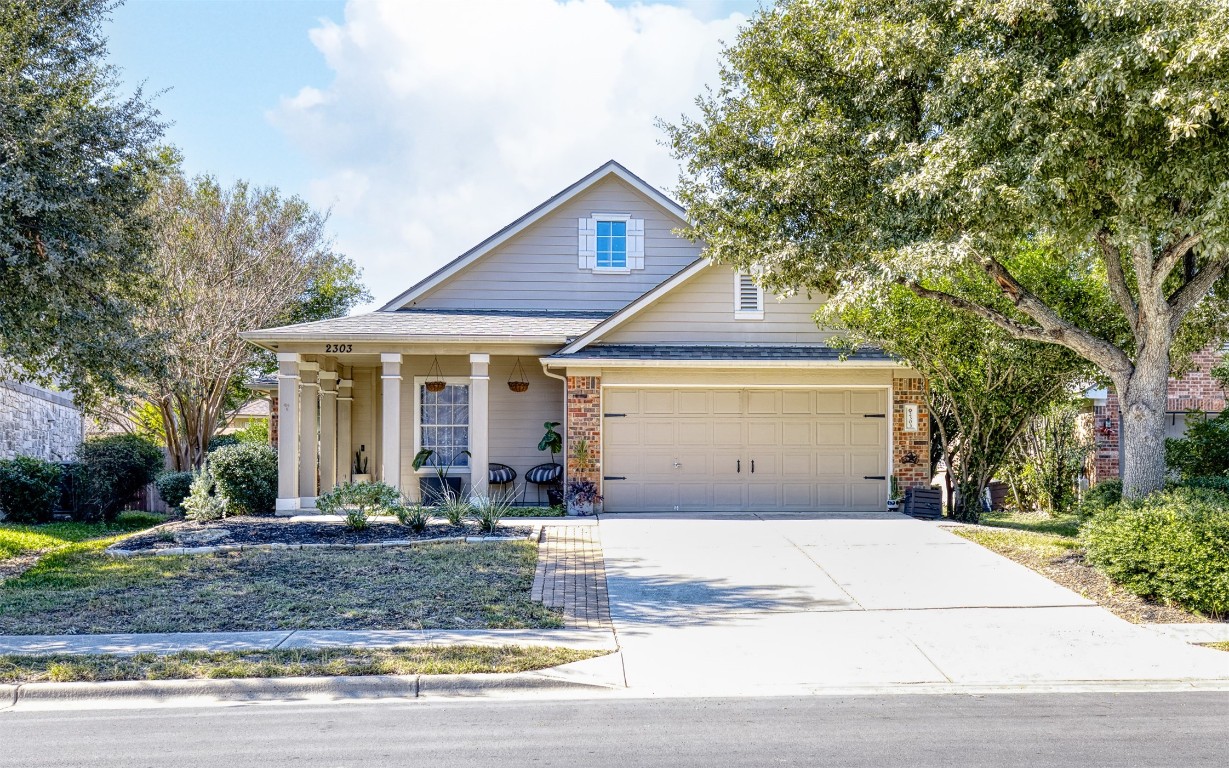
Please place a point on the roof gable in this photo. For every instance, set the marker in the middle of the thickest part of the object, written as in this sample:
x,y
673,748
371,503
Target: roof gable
x,y
609,170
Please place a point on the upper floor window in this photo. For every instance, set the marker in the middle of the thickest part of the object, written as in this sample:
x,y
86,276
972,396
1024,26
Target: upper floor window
x,y
611,242
748,297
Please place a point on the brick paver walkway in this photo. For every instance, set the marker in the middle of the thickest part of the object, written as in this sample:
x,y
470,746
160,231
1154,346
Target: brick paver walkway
x,y
571,575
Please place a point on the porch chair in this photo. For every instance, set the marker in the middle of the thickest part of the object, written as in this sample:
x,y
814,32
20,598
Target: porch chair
x,y
501,475
541,476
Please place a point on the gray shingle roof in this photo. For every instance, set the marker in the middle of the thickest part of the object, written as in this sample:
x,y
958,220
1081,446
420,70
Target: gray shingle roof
x,y
541,324
700,352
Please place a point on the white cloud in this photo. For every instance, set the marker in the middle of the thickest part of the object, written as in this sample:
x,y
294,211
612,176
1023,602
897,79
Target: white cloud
x,y
446,120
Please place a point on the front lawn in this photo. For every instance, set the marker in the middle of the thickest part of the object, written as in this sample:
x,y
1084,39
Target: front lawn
x,y
18,539
1063,525
78,589
195,665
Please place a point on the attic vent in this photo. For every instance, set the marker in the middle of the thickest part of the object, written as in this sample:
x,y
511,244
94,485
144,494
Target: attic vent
x,y
748,297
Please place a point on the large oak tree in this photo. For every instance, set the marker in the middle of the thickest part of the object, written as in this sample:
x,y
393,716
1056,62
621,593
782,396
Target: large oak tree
x,y
856,143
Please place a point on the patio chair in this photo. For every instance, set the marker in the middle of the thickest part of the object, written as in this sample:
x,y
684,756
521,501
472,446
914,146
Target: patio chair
x,y
543,475
501,475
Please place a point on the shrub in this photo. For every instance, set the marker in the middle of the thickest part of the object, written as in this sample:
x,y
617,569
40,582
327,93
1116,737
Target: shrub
x,y
111,470
489,510
356,501
174,487
202,503
415,517
246,476
455,508
1170,546
255,432
218,442
1204,451
1100,496
1218,483
29,489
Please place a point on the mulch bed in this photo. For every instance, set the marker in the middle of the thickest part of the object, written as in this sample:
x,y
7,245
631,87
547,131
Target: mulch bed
x,y
271,530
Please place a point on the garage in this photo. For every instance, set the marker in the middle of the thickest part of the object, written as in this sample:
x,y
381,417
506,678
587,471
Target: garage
x,y
695,449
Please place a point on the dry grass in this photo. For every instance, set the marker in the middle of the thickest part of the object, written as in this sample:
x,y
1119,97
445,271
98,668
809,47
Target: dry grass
x,y
1218,646
78,589
1061,559
432,660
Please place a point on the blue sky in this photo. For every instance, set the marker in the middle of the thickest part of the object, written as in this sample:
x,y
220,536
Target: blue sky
x,y
423,126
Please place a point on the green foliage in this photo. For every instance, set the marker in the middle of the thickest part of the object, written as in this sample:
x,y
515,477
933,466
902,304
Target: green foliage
x,y
855,144
551,441
357,501
1045,463
203,503
110,471
488,510
29,489
246,475
413,516
455,508
75,159
1219,483
1100,497
1205,449
174,487
257,431
222,441
1170,546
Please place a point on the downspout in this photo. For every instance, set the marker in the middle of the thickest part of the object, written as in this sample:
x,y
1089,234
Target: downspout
x,y
564,379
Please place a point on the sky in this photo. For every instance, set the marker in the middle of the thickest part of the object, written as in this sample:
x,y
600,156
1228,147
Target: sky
x,y
422,126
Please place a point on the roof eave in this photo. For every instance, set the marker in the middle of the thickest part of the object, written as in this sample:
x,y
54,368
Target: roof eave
x,y
623,362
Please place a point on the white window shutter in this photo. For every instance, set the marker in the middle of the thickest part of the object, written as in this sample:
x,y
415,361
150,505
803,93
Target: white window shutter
x,y
635,244
587,243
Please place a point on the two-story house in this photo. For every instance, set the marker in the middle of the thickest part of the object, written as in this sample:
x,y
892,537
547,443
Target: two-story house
x,y
684,387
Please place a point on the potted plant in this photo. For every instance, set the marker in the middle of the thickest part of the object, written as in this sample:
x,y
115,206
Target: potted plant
x,y
552,441
894,494
435,490
582,497
358,472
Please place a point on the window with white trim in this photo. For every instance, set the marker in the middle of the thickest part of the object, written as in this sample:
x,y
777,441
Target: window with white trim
x,y
748,297
610,242
443,423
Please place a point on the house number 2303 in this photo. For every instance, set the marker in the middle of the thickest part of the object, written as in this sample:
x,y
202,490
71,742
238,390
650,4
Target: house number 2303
x,y
328,348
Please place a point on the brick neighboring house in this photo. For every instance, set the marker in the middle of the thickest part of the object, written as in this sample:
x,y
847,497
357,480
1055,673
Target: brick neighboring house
x,y
1190,396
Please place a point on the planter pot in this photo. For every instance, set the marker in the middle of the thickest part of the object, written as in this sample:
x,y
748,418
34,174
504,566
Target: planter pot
x,y
360,478
554,497
433,491
893,504
580,509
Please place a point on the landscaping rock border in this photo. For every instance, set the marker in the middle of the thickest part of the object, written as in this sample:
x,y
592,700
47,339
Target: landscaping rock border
x,y
535,535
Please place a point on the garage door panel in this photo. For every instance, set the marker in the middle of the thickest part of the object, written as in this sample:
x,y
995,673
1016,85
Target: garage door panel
x,y
763,402
797,433
798,402
766,433
694,432
866,432
691,403
797,464
833,433
867,401
831,401
621,401
727,402
658,401
729,434
863,464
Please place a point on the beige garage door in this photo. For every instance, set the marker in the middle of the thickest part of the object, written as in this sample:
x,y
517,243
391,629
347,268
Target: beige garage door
x,y
794,450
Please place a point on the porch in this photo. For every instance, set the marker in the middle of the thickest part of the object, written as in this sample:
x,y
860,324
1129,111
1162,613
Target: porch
x,y
356,407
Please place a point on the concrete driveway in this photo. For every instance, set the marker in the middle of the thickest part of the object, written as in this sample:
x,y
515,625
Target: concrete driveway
x,y
730,605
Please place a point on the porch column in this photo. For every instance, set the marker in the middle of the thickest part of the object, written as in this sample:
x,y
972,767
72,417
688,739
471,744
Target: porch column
x,y
309,404
345,451
287,433
328,430
391,421
479,385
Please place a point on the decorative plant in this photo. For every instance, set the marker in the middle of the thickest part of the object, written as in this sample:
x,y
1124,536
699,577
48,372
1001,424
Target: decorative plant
x,y
441,470
360,463
894,494
356,501
202,505
413,516
455,508
488,510
552,441
581,455
583,493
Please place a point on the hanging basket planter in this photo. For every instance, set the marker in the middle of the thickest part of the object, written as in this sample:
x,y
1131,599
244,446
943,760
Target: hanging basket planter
x,y
435,378
517,380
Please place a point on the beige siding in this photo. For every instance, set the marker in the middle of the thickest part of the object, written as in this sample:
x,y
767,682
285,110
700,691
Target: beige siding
x,y
746,377
537,268
363,416
701,311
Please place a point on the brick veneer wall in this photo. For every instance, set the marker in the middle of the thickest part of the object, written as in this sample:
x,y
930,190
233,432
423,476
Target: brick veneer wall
x,y
1195,391
273,419
584,400
910,474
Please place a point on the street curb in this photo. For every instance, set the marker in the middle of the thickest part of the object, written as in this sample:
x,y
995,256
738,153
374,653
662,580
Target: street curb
x,y
285,690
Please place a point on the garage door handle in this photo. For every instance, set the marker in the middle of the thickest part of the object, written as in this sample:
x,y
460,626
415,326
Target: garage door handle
x,y
874,477
613,477
753,466
738,465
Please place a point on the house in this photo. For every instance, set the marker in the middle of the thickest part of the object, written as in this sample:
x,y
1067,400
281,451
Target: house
x,y
1194,395
251,412
679,385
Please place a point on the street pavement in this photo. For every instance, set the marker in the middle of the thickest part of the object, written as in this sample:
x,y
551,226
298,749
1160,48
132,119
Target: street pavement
x,y
730,606
1034,730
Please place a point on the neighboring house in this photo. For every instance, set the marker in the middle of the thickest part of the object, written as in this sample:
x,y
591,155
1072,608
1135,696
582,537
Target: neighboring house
x,y
254,410
690,389
38,422
1195,395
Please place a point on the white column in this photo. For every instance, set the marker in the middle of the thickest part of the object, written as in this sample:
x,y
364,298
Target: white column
x,y
309,438
345,451
287,433
479,386
328,430
390,448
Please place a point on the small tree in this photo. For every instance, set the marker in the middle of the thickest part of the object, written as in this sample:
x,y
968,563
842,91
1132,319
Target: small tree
x,y
1049,457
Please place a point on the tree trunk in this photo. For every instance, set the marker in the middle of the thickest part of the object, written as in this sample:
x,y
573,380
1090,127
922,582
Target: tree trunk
x,y
1144,400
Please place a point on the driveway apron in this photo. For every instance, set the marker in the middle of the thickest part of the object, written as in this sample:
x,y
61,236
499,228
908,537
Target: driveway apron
x,y
731,605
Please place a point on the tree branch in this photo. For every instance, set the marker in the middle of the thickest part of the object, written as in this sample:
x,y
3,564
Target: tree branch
x,y
1172,255
1188,296
1118,280
1014,327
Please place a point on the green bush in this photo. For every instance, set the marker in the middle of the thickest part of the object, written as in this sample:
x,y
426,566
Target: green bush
x,y
218,442
356,501
1170,546
174,487
415,516
1100,496
1219,483
110,471
246,476
29,489
202,504
255,432
1204,451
